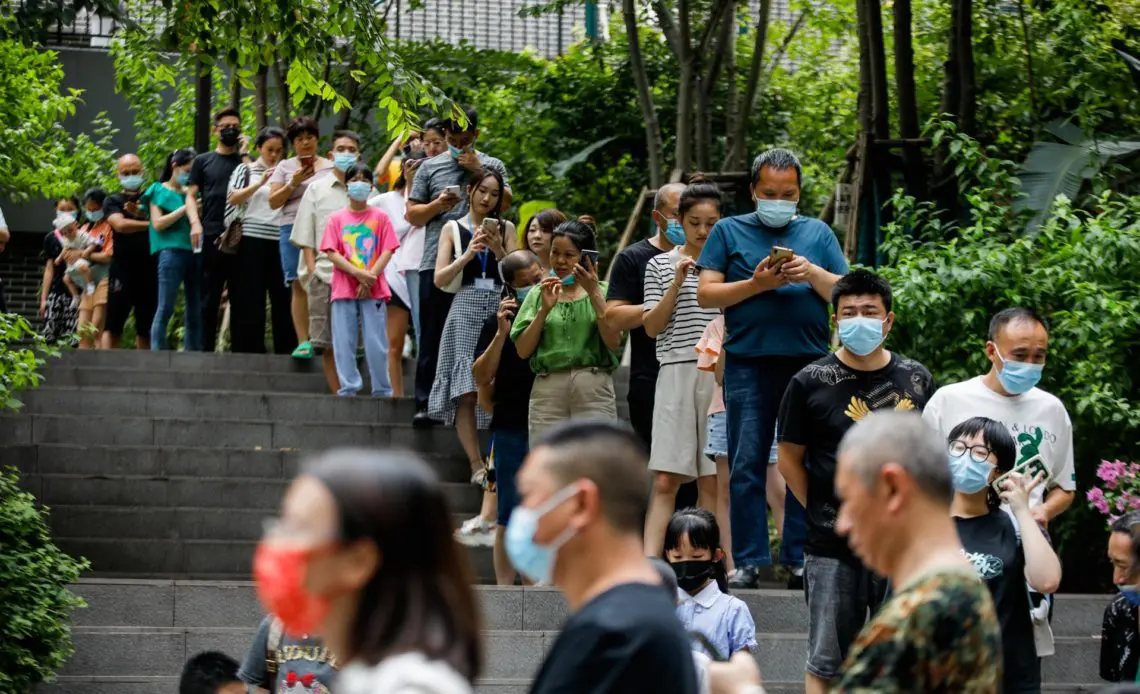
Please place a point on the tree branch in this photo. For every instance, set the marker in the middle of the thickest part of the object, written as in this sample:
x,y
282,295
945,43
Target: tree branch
x,y
653,141
779,54
714,23
735,158
668,26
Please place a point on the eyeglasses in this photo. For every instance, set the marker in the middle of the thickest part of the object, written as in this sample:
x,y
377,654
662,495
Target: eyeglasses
x,y
978,453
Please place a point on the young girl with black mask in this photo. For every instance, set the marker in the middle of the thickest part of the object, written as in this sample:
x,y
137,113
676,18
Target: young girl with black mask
x,y
692,547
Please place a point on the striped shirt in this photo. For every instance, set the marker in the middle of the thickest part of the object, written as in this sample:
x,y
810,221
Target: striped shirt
x,y
258,220
678,342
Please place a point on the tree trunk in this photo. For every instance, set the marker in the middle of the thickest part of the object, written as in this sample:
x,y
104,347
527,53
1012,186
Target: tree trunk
x,y
203,98
880,103
732,102
653,143
1029,71
907,100
704,126
283,100
261,97
235,90
866,118
969,101
951,85
318,110
683,153
736,159
723,35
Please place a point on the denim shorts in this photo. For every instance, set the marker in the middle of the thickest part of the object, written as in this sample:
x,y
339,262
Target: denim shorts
x,y
290,254
717,444
508,450
841,597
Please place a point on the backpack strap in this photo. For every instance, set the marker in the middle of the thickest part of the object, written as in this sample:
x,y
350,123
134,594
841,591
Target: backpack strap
x,y
272,645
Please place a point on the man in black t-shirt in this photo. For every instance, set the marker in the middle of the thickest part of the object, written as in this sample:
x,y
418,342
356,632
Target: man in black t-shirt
x,y
584,491
624,311
134,271
822,402
210,178
497,363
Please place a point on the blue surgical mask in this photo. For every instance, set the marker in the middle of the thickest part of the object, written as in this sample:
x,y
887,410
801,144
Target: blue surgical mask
x,y
861,335
776,213
1131,594
536,561
454,151
182,178
675,233
93,215
1018,377
343,160
970,476
131,182
359,190
521,293
566,281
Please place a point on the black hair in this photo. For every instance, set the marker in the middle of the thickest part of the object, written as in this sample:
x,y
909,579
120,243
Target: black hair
x,y
358,169
97,194
226,113
402,181
302,125
1012,315
579,233
700,189
452,124
996,438
700,526
350,134
420,598
513,262
179,157
861,283
777,159
481,175
206,672
268,133
69,198
436,124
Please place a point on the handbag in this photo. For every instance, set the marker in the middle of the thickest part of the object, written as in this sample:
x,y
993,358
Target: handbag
x,y
456,282
229,240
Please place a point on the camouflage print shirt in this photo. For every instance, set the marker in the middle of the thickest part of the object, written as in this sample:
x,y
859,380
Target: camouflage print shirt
x,y
940,634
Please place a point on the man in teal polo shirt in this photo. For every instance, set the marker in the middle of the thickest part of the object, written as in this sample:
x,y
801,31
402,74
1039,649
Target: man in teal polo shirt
x,y
776,322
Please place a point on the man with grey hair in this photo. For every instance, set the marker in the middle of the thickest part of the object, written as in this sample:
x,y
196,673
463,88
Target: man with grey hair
x,y
939,632
624,301
772,272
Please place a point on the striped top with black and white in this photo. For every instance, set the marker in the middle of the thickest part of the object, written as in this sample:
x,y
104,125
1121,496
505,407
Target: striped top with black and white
x,y
258,219
678,342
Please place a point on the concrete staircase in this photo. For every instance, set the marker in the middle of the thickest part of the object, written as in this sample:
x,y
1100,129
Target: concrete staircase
x,y
160,466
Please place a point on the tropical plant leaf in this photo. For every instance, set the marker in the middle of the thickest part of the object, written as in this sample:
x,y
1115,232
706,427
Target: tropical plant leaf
x,y
559,168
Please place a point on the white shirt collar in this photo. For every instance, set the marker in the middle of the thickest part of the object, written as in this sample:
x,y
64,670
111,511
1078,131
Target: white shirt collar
x,y
705,598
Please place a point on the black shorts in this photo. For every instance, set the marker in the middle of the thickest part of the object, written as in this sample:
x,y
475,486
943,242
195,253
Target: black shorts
x,y
133,286
396,302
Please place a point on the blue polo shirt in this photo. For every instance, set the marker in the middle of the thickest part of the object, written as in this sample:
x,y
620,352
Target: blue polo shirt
x,y
791,321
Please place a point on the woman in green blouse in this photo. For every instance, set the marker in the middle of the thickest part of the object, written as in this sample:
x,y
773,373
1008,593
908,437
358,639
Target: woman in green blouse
x,y
179,256
559,328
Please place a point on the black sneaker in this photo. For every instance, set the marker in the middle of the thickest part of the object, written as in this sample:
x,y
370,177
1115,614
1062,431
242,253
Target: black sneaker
x,y
796,582
744,577
423,420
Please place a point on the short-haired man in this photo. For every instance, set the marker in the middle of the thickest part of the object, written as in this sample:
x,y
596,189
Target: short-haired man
x,y
504,380
210,672
210,178
624,299
1017,348
134,271
822,402
772,272
322,197
584,491
432,203
1120,637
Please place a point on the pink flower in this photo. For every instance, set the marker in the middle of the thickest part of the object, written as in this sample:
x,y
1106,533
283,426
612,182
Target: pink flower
x,y
1106,471
1097,500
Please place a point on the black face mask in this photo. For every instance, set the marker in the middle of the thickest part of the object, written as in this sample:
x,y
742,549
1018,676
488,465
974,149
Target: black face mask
x,y
691,575
229,136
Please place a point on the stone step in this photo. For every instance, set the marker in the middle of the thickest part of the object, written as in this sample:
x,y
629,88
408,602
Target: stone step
x,y
172,461
152,685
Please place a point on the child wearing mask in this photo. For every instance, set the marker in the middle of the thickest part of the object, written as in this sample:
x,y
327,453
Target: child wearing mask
x,y
360,240
58,305
692,548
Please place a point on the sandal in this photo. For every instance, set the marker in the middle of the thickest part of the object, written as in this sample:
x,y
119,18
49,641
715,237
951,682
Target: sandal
x,y
303,351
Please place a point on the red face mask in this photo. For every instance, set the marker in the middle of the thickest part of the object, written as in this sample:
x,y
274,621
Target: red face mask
x,y
280,576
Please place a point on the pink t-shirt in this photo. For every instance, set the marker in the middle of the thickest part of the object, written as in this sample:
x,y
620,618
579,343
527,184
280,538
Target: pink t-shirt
x,y
708,352
361,237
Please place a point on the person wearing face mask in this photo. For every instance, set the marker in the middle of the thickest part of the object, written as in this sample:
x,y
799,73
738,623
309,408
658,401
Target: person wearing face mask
x,y
58,309
134,271
438,197
362,558
497,363
1006,553
93,305
775,312
583,493
179,259
206,195
823,401
1017,349
1120,634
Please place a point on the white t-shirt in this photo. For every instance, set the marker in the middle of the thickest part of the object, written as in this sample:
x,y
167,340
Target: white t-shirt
x,y
3,224
406,673
677,343
258,219
1038,421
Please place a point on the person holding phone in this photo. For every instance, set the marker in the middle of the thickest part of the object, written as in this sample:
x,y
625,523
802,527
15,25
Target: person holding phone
x,y
288,183
469,252
179,264
1007,550
561,329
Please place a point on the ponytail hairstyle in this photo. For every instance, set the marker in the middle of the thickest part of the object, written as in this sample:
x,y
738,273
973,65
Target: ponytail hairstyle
x,y
179,157
700,189
996,438
703,531
580,233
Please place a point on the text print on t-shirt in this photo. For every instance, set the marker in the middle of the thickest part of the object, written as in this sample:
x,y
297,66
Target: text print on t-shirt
x,y
987,565
296,665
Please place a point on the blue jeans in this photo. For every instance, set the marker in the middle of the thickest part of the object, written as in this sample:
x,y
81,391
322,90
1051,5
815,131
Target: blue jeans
x,y
508,448
412,278
178,267
372,317
753,388
290,254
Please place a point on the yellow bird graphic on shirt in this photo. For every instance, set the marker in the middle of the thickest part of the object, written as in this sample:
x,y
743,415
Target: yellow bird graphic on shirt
x,y
858,410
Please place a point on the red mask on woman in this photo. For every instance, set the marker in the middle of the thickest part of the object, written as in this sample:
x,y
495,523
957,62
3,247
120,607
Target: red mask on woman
x,y
280,575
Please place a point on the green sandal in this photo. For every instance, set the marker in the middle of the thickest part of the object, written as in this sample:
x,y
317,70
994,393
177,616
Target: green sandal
x,y
303,351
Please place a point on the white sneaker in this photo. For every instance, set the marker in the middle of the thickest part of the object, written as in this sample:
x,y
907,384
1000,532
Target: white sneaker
x,y
90,289
409,346
475,532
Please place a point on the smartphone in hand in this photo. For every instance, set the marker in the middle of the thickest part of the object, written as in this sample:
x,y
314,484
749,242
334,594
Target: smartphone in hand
x,y
592,256
1029,469
780,253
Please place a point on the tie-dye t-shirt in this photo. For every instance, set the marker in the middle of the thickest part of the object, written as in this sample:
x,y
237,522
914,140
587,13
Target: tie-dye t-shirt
x,y
361,237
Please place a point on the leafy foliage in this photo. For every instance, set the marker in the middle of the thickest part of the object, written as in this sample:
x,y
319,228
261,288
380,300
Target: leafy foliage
x,y
22,352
